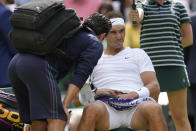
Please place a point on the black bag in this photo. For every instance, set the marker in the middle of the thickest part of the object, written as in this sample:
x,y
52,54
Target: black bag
x,y
35,14
9,115
39,28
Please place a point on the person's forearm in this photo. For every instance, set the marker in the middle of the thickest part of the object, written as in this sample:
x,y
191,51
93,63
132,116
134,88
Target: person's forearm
x,y
186,41
71,93
76,100
154,89
186,35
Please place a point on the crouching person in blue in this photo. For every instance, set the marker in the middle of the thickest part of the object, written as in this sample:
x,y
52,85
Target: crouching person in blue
x,y
35,78
128,75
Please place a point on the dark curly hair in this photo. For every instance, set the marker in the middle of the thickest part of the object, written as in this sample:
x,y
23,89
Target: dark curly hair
x,y
114,14
98,23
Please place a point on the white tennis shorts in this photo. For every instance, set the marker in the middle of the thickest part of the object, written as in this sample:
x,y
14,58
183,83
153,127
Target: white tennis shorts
x,y
120,118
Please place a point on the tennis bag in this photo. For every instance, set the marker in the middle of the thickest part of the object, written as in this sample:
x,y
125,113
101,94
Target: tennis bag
x,y
39,27
9,115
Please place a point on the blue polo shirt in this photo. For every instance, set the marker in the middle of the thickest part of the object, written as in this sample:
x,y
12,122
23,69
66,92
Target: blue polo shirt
x,y
85,49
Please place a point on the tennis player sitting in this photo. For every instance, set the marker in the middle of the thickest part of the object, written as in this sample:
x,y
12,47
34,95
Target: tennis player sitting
x,y
128,75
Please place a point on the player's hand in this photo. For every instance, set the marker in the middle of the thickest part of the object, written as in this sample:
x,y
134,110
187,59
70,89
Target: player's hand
x,y
107,91
131,95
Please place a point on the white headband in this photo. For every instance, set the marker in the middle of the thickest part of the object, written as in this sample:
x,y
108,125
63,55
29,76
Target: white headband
x,y
117,21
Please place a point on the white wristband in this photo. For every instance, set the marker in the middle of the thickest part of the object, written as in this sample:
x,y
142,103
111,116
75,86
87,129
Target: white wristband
x,y
143,92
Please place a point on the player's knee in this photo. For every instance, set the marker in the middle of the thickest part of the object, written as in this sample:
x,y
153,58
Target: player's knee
x,y
89,108
93,110
154,110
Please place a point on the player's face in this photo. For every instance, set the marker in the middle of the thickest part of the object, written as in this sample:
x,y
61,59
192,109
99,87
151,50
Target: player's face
x,y
116,36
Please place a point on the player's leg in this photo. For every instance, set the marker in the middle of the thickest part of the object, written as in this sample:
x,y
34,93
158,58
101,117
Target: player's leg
x,y
95,115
